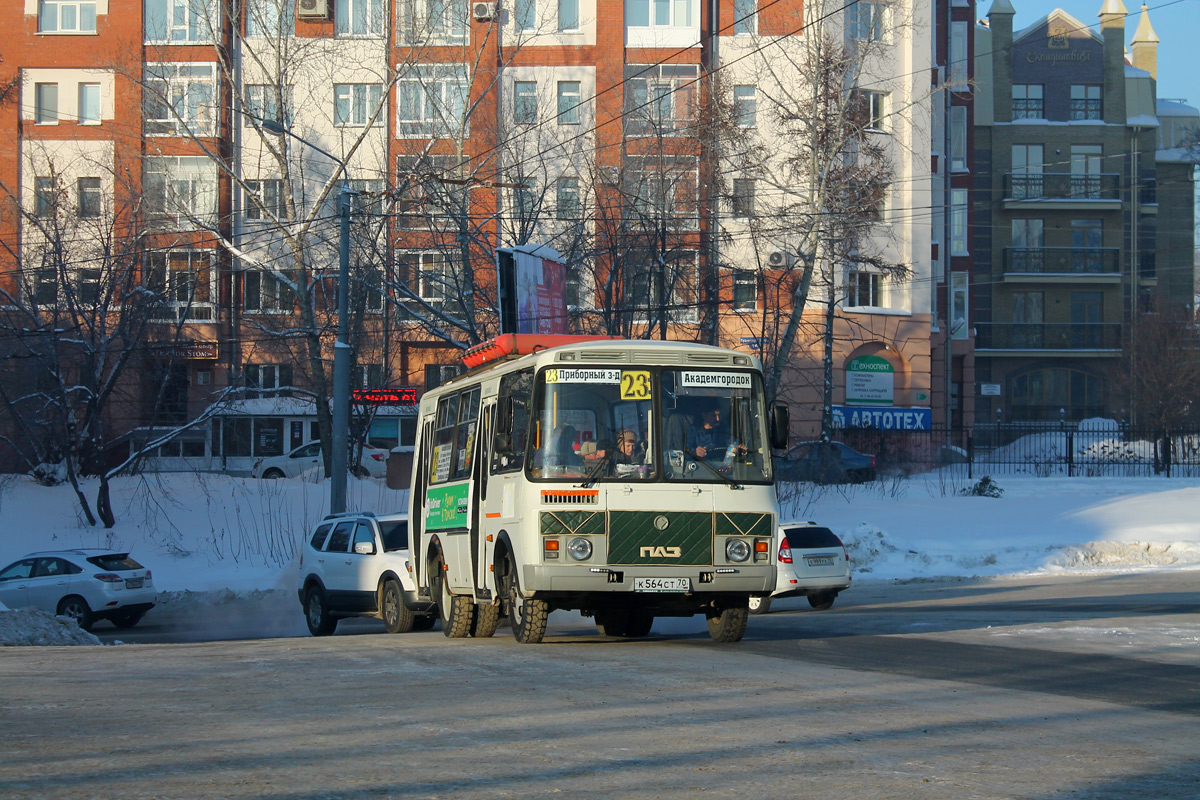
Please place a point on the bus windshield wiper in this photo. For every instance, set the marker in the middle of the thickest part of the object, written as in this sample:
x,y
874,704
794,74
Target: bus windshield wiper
x,y
712,469
594,473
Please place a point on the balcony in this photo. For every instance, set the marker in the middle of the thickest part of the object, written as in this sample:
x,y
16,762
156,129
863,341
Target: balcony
x,y
1089,262
1048,336
1062,190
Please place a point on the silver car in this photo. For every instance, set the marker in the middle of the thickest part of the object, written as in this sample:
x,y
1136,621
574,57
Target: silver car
x,y
812,563
86,585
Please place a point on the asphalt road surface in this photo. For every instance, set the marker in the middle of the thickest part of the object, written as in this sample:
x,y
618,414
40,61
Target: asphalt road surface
x,y
1047,688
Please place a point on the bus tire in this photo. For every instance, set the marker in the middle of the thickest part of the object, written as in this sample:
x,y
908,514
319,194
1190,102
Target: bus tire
x,y
485,621
527,616
612,623
760,605
638,624
456,610
728,624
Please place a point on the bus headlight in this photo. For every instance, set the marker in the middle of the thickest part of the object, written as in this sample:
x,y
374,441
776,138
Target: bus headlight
x,y
580,548
737,550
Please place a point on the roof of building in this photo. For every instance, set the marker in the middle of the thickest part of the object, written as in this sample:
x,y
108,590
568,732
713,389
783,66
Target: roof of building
x,y
1145,31
1071,22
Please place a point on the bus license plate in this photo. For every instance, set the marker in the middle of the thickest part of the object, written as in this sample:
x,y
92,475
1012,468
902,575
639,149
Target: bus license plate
x,y
820,561
662,584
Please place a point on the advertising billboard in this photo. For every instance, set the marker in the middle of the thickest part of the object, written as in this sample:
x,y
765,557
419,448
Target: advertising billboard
x,y
533,284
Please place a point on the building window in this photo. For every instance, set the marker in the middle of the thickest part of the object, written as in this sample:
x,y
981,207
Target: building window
x,y
90,197
873,107
1045,394
865,20
1028,101
1026,171
660,13
526,14
525,199
270,19
67,16
1086,162
958,71
181,21
745,291
568,15
665,192
568,102
180,189
664,289
959,298
263,103
369,376
183,280
89,104
266,292
87,287
431,276
743,197
660,100
178,99
958,138
745,17
433,101
525,103
268,380
355,103
369,196
1086,102
45,103
443,21
265,200
45,287
567,199
863,288
44,200
958,222
359,18
745,106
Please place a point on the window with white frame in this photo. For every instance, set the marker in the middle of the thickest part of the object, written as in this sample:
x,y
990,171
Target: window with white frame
x,y
568,15
437,21
270,19
863,287
745,17
359,18
661,99
958,305
958,222
745,290
267,292
178,99
355,103
866,20
569,99
45,103
525,199
181,21
566,201
958,138
267,102
417,185
745,106
525,13
959,67
431,276
525,102
180,189
89,104
873,107
368,197
183,279
663,189
432,101
67,16
267,380
265,200
743,198
45,197
91,197
660,13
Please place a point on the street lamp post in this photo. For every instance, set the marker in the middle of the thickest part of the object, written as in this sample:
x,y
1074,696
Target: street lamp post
x,y
338,466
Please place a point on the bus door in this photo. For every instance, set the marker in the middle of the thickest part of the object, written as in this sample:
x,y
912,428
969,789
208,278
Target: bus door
x,y
480,530
418,505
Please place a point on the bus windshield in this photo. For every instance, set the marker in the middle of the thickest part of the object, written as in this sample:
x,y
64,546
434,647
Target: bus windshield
x,y
643,423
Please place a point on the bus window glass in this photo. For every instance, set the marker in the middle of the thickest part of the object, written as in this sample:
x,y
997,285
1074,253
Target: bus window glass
x,y
442,457
713,426
593,422
508,449
468,424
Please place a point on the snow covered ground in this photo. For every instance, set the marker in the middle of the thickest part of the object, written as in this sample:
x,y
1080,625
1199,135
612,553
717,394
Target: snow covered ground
x,y
205,536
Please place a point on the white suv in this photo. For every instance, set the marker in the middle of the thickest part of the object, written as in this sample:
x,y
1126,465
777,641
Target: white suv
x,y
85,585
812,562
356,565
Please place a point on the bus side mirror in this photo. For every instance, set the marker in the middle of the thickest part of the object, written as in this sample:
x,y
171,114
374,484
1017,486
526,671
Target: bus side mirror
x,y
780,424
504,416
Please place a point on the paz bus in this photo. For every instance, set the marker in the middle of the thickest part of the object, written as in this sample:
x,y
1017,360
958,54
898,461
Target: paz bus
x,y
627,480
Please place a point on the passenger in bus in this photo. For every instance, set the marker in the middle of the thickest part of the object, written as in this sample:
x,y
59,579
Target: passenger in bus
x,y
629,459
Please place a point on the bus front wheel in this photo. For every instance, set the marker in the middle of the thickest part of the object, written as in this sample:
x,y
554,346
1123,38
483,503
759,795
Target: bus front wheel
x,y
527,616
728,624
455,610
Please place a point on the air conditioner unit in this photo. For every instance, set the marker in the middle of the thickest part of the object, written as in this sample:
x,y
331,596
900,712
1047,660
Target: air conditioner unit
x,y
778,258
312,9
483,12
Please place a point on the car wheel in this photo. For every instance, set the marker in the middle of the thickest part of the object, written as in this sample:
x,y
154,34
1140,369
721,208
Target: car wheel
x,y
759,605
485,621
397,616
728,624
127,619
316,613
527,616
822,601
424,623
77,609
272,474
455,610
361,472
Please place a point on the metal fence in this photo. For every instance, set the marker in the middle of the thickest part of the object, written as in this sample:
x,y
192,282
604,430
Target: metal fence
x,y
1046,450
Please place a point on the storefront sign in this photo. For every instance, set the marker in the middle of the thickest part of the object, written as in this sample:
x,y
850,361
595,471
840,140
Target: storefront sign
x,y
187,351
883,418
385,397
870,380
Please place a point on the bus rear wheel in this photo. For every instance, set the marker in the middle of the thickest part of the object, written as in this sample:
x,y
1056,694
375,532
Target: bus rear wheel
x,y
728,624
455,610
527,616
485,621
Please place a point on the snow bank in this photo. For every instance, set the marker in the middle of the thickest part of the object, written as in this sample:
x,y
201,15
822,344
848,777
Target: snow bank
x,y
28,626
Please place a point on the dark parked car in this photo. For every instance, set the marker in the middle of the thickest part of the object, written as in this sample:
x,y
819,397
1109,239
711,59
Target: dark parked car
x,y
829,462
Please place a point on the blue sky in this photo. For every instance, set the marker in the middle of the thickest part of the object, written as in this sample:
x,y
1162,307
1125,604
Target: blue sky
x,y
1177,23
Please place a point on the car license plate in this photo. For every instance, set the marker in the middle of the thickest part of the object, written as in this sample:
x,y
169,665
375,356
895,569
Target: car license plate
x,y
819,561
133,583
662,584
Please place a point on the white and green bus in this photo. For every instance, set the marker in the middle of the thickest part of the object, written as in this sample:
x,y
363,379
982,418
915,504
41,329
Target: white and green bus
x,y
623,479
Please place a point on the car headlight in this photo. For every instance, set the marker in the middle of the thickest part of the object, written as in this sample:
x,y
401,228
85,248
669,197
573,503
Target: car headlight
x,y
737,550
580,548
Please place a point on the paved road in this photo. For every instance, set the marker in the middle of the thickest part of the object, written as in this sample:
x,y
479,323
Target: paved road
x,y
1083,688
